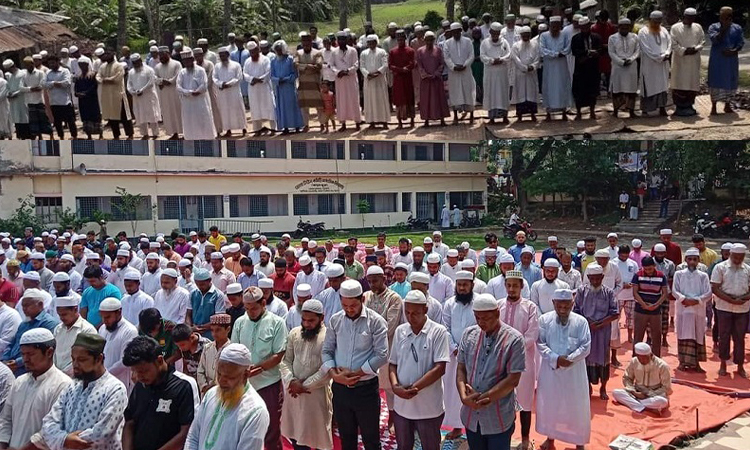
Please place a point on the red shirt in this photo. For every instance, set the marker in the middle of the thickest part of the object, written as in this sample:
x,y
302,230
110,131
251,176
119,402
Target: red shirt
x,y
674,252
8,292
282,287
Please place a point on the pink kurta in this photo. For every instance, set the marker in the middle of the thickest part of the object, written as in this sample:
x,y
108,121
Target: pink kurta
x,y
522,315
433,104
347,87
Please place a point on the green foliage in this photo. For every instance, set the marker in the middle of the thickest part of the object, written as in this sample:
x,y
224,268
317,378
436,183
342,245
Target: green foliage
x,y
24,216
128,205
67,218
433,19
363,207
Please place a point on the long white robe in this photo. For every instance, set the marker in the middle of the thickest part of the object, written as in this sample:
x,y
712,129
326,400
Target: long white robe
x,y
243,427
142,86
563,405
541,294
624,79
511,36
168,98
526,85
208,66
377,105
522,315
462,89
456,319
196,109
227,77
690,322
5,124
496,82
654,68
114,350
557,82
19,112
263,105
347,87
686,69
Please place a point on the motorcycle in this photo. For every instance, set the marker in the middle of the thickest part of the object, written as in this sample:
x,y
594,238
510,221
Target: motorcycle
x,y
308,229
706,225
471,220
417,224
525,226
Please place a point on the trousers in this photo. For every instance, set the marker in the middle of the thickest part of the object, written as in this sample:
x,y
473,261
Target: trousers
x,y
625,398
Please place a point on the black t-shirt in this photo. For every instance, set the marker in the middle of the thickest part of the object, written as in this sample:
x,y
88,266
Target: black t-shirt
x,y
159,411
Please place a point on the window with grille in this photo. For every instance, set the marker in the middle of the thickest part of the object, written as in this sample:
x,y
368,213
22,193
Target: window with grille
x,y
323,150
204,148
234,206
46,148
437,152
171,148
299,150
365,151
339,150
459,152
301,205
231,149
255,149
379,203
169,207
86,206
47,207
120,147
257,205
82,147
406,201
420,153
211,207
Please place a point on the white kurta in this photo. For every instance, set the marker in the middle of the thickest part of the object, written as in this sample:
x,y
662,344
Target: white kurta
x,y
526,87
208,66
377,105
511,36
496,82
691,320
151,282
173,305
5,124
132,305
461,85
192,85
169,101
522,315
243,427
227,77
686,69
654,68
541,294
496,287
624,79
441,287
142,86
347,87
557,82
456,319
114,350
262,106
563,405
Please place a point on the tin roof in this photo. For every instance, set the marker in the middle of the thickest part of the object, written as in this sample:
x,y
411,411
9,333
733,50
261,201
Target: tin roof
x,y
21,29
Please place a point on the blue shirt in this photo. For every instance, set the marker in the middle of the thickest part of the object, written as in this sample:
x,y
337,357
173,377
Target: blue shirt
x,y
356,344
26,267
13,352
546,254
92,298
206,305
532,273
252,280
401,288
515,251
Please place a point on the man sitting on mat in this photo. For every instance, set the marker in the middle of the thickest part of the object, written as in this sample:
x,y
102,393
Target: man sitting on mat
x,y
647,382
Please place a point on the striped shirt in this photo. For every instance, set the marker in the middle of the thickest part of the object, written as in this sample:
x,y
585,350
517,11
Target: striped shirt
x,y
489,359
649,288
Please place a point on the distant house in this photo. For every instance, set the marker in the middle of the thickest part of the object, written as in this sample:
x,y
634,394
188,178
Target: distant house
x,y
24,32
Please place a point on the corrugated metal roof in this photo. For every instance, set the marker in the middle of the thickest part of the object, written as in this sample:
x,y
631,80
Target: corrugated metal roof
x,y
13,17
47,34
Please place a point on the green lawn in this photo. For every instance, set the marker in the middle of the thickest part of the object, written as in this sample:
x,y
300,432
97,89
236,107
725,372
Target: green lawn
x,y
404,13
451,238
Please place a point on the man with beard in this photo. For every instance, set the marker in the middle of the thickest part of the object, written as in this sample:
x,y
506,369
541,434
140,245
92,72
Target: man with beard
x,y
273,304
308,275
264,266
293,318
489,269
72,324
597,304
135,300
418,357
61,287
421,282
35,316
89,412
612,280
244,417
496,285
457,317
403,255
151,280
531,271
330,297
161,406
692,289
355,347
264,334
117,332
307,410
65,265
417,257
522,315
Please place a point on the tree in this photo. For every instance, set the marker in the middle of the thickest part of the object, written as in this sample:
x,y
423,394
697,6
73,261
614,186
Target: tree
x,y
363,207
128,205
68,218
24,216
122,23
101,219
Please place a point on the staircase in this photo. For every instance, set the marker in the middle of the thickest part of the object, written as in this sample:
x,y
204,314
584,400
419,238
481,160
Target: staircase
x,y
648,218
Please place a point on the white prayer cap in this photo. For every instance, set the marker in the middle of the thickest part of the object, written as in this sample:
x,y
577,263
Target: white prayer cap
x,y
123,252
125,245
371,38
510,17
179,38
73,49
196,51
37,255
419,277
527,250
393,25
153,256
738,248
692,251
551,262
255,237
236,288
452,253
524,29
586,4
514,274
401,266
568,11
304,260
637,243
36,336
41,55
416,297
496,26
265,283
135,57
7,64
427,240
665,231
33,293
624,21
305,239
193,233
67,257
184,262
202,41
612,235
642,348
38,239
555,19
468,263
264,249
151,42
540,18
490,252
7,241
217,255
110,304
594,269
375,270
456,26
601,253
506,258
429,34
231,35
95,256
465,245
170,273
552,239
342,34
350,288
314,306
251,45
726,246
234,247
576,17
304,290
132,275
67,302
60,277
691,12
144,240
660,248
464,275
584,21
312,244
186,52
417,249
99,51
334,270
433,258
563,294
656,15
236,354
484,302
445,23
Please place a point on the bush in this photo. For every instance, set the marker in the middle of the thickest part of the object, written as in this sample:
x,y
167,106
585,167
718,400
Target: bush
x,y
24,216
433,19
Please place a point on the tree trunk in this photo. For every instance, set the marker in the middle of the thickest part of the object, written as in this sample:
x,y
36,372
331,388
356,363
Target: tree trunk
x,y
368,10
122,21
343,14
189,20
149,13
585,208
450,10
227,18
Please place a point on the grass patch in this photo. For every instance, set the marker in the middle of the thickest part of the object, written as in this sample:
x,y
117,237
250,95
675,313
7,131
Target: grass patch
x,y
451,238
744,80
404,13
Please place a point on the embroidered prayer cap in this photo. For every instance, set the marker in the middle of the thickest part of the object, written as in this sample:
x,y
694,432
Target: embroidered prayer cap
x,y
527,250
551,238
517,274
637,243
551,262
623,21
36,336
132,275
265,283
236,354
67,257
217,255
184,262
32,275
490,251
234,247
726,246
418,249
135,57
304,260
252,294
110,304
419,277
201,275
612,235
691,12
153,256
313,306
416,297
350,288
584,21
555,19
484,302
401,266
220,319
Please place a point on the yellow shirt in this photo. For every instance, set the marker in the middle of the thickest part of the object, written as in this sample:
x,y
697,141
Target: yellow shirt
x,y
708,257
218,241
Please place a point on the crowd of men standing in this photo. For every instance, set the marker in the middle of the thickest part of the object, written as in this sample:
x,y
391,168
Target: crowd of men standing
x,y
212,344
560,62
